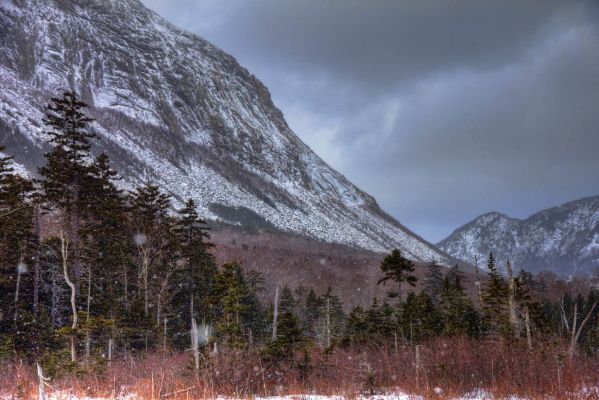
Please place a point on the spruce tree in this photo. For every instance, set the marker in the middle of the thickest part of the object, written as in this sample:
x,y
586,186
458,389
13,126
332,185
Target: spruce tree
x,y
332,319
65,177
196,269
313,309
151,229
106,251
16,256
433,282
357,332
399,269
460,317
234,306
495,306
290,337
419,319
64,183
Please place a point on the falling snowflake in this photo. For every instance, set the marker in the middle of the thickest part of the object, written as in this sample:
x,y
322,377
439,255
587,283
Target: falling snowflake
x,y
21,268
140,239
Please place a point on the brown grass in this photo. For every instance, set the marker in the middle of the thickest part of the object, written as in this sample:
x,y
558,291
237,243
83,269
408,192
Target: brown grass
x,y
457,366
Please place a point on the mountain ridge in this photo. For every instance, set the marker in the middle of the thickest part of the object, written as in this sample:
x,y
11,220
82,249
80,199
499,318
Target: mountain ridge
x,y
563,239
172,108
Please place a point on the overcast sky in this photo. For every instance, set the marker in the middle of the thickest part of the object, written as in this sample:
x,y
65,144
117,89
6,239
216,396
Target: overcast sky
x,y
442,110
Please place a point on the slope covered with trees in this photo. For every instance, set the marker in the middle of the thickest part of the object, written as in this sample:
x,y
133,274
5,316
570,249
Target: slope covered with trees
x,y
91,274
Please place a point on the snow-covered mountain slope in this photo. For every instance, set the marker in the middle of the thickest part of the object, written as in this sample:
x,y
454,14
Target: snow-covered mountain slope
x,y
174,109
562,239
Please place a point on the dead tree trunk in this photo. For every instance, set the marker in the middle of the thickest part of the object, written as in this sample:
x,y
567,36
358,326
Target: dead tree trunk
x,y
36,263
511,300
576,332
528,330
110,349
74,237
43,381
145,271
20,270
164,336
88,333
163,288
126,286
64,248
275,316
478,283
564,318
328,323
195,338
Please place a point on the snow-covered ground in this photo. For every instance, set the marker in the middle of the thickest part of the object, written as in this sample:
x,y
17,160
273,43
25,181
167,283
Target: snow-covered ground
x,y
584,393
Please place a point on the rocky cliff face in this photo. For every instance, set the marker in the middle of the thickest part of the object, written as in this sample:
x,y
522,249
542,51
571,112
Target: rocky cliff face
x,y
174,109
563,239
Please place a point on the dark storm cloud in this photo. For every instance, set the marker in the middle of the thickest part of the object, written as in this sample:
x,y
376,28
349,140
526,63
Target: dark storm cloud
x,y
442,110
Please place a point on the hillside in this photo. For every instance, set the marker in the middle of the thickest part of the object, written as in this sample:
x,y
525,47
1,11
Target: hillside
x,y
562,239
173,109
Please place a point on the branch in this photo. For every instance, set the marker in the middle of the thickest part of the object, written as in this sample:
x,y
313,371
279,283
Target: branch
x,y
11,211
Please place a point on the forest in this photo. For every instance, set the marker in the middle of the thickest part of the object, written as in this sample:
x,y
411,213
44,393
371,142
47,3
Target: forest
x,y
105,288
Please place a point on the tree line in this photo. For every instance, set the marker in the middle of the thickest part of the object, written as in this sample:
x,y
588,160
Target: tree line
x,y
90,271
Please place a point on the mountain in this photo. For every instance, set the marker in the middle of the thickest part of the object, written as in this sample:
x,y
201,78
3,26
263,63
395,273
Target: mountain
x,y
173,109
562,239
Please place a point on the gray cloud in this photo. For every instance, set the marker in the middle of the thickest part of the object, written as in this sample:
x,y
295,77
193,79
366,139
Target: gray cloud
x,y
441,110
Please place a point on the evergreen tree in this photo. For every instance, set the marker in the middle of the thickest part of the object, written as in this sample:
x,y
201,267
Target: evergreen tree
x,y
290,338
65,177
459,314
235,306
196,270
16,256
313,309
433,282
529,309
399,269
419,319
332,319
107,245
495,307
151,230
287,301
380,322
357,331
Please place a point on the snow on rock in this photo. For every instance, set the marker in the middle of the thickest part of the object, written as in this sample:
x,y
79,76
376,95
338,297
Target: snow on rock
x,y
174,109
563,239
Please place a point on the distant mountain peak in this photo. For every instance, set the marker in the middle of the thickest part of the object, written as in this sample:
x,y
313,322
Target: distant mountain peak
x,y
563,239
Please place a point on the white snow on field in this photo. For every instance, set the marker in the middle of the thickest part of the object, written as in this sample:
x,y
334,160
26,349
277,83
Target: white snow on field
x,y
584,393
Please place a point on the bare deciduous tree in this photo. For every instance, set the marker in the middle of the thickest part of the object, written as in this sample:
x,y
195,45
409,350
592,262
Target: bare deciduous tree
x,y
576,332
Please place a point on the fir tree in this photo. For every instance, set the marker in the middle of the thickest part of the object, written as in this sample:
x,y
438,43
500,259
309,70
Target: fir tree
x,y
313,309
433,282
419,319
196,269
16,256
65,177
151,230
357,331
460,317
495,307
290,338
399,269
332,319
234,305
